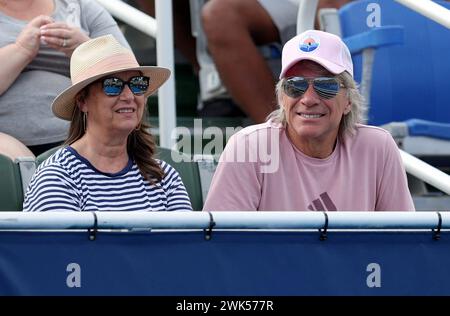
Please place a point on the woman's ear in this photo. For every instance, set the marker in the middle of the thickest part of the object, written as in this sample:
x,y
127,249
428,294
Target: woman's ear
x,y
80,101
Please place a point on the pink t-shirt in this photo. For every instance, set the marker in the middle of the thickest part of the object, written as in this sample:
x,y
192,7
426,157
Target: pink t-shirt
x,y
260,169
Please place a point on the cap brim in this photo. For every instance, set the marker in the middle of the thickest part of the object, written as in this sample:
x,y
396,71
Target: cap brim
x,y
330,66
64,103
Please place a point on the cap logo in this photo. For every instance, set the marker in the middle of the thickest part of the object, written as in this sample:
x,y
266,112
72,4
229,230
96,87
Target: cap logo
x,y
309,43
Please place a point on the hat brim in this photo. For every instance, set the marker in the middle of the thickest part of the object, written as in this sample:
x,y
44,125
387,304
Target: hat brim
x,y
330,66
64,103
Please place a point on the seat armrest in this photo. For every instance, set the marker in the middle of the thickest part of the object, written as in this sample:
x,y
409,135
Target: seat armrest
x,y
417,127
27,166
375,38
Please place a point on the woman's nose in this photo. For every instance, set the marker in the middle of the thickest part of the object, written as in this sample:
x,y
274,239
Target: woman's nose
x,y
126,93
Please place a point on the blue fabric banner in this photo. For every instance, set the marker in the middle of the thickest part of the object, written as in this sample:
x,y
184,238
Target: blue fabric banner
x,y
231,263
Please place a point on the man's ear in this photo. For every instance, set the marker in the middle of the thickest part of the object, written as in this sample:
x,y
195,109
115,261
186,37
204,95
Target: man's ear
x,y
348,107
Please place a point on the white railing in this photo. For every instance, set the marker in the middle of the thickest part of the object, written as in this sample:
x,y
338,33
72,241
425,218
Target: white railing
x,y
224,220
161,29
165,57
430,9
132,16
426,172
306,15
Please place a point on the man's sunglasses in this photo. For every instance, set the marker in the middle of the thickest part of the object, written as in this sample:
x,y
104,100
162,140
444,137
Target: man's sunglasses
x,y
113,86
325,87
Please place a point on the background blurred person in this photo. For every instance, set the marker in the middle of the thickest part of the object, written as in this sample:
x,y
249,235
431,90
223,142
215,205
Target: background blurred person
x,y
37,38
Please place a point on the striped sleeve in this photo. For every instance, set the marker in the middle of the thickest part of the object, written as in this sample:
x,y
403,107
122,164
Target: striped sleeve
x,y
177,197
51,189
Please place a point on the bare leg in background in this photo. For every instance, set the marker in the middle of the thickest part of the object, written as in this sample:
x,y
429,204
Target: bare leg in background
x,y
233,29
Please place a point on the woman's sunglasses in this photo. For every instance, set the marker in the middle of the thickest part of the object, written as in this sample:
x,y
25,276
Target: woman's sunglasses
x,y
113,86
325,87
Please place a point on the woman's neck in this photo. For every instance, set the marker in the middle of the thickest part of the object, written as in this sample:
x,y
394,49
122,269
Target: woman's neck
x,y
27,9
109,156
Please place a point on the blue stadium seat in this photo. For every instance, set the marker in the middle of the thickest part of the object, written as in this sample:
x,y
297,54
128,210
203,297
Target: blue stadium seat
x,y
409,80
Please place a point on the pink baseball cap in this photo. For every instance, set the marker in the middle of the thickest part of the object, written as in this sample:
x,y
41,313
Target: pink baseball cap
x,y
323,48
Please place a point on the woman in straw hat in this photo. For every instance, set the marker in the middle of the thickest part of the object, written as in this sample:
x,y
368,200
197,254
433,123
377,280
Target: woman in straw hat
x,y
107,163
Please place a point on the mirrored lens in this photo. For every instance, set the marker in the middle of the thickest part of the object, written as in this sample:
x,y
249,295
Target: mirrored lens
x,y
138,85
295,87
112,86
326,88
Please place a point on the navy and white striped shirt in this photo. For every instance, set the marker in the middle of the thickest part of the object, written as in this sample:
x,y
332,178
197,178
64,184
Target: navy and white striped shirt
x,y
67,181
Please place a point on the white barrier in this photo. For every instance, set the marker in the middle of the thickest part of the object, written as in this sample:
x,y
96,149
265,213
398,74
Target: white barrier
x,y
224,220
426,172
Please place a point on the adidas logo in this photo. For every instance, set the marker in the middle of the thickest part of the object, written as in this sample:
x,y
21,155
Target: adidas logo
x,y
323,203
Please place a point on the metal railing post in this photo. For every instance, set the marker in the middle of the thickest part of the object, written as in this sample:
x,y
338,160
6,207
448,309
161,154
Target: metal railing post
x,y
306,16
130,15
426,172
165,58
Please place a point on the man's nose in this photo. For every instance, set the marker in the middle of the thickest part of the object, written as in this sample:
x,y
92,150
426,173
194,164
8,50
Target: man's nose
x,y
310,97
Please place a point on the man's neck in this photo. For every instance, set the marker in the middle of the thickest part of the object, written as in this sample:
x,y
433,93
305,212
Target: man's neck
x,y
315,148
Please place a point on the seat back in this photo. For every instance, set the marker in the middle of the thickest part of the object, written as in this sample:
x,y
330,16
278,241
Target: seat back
x,y
409,80
11,193
40,159
188,170
189,173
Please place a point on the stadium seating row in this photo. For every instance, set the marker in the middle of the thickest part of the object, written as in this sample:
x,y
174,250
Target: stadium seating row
x,y
15,175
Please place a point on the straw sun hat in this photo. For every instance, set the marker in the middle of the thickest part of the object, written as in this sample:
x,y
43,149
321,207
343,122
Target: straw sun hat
x,y
95,59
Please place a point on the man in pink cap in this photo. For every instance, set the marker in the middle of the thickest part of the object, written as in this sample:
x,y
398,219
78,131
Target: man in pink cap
x,y
313,153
